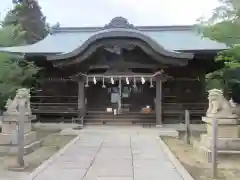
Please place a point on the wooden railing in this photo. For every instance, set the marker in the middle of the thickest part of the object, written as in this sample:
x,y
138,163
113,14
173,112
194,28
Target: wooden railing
x,y
54,108
176,111
73,107
55,99
55,105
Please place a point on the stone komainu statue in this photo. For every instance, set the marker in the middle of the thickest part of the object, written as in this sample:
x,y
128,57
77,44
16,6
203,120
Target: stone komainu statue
x,y
219,106
22,98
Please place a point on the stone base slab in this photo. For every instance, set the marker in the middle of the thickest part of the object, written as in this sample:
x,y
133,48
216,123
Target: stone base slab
x,y
15,118
221,121
11,139
69,132
207,152
225,131
13,150
12,127
168,133
227,127
222,143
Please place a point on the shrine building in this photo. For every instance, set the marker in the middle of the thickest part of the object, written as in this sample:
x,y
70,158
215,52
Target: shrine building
x,y
121,73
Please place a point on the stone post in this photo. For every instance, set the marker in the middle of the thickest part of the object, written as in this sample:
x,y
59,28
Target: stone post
x,y
20,136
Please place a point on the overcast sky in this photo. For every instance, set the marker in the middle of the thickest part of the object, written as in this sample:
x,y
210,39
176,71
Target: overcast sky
x,y
138,12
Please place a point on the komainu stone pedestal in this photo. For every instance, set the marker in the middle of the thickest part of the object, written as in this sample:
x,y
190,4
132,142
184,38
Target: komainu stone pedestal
x,y
8,137
228,134
228,141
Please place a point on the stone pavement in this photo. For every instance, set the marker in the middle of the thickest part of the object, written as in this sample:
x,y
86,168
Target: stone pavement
x,y
111,155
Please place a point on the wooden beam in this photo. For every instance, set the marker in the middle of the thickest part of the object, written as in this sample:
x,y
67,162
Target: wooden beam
x,y
130,65
158,101
81,99
61,79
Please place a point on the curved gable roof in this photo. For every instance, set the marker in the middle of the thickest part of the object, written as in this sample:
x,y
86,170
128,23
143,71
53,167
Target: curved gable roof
x,y
123,33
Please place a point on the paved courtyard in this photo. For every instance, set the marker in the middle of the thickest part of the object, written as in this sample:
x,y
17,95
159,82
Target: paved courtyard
x,y
112,154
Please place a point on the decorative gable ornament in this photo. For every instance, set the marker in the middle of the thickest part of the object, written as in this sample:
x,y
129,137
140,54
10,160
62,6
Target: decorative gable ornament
x,y
119,22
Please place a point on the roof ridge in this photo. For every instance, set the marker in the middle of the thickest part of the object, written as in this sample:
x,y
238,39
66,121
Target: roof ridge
x,y
140,28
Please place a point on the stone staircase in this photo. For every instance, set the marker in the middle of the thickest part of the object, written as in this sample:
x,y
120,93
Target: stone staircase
x,y
125,118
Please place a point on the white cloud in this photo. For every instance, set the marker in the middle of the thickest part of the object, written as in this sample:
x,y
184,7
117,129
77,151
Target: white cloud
x,y
169,11
100,12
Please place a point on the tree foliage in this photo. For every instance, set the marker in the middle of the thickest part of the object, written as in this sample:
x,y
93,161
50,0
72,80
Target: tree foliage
x,y
7,37
13,75
28,21
23,24
224,26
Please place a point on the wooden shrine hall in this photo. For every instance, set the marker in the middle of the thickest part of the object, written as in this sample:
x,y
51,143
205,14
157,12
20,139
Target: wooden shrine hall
x,y
121,73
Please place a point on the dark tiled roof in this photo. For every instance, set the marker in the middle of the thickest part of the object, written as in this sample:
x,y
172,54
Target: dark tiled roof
x,y
172,38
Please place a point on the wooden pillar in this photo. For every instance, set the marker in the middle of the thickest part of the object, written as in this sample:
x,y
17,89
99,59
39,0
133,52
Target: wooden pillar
x,y
203,85
81,98
158,102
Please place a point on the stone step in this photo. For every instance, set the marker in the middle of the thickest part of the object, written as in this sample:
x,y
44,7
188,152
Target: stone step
x,y
120,120
121,114
118,117
118,123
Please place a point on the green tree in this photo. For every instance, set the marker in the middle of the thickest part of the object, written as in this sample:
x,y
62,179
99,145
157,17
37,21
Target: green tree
x,y
7,37
23,24
224,26
14,73
28,21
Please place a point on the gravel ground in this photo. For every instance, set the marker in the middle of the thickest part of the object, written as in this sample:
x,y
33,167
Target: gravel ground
x,y
196,163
